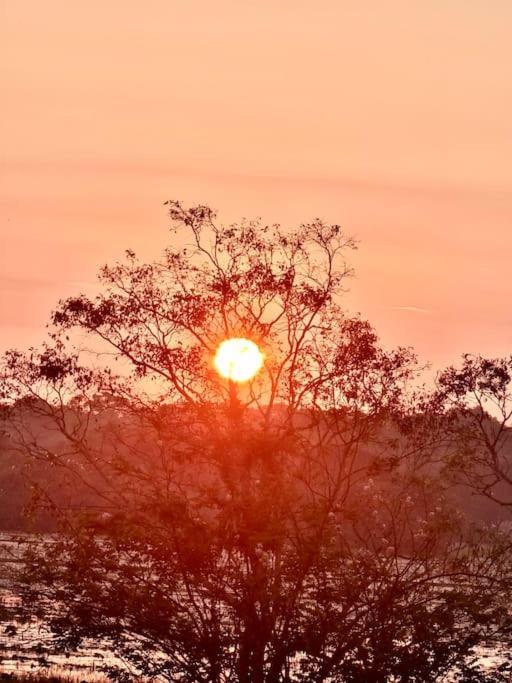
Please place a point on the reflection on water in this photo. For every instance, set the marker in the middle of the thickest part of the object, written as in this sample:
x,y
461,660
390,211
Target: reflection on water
x,y
28,645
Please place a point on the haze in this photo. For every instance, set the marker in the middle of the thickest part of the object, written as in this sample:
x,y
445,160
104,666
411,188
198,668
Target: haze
x,y
392,118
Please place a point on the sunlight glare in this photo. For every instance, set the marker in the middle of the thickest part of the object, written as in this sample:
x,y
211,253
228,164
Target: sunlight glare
x,y
238,359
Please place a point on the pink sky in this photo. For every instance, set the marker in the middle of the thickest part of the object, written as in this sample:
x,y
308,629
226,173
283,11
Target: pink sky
x,y
392,118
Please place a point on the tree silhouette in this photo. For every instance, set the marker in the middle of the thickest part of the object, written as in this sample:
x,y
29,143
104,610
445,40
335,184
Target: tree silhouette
x,y
287,529
474,406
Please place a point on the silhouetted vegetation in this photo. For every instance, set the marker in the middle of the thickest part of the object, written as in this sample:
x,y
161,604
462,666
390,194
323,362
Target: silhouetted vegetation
x,y
306,526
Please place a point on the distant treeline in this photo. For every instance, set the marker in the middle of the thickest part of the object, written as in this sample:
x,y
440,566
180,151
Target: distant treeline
x,y
22,509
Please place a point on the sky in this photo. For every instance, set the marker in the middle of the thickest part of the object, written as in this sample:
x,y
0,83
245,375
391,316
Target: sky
x,y
391,118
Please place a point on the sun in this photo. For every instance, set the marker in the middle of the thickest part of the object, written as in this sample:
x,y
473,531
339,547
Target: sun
x,y
238,359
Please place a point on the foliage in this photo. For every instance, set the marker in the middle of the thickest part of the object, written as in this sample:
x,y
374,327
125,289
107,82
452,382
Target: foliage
x,y
284,530
474,405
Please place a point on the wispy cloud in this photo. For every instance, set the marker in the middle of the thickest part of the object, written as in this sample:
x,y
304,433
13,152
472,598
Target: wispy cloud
x,y
19,284
409,309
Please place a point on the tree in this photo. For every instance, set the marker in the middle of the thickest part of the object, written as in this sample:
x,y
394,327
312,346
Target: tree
x,y
282,530
474,406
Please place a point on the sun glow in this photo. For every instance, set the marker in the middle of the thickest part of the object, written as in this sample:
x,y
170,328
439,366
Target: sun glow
x,y
238,359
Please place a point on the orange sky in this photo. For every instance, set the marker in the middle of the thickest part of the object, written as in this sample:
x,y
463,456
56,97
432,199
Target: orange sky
x,y
393,118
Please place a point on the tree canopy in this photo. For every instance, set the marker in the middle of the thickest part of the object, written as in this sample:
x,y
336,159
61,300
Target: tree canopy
x,y
298,527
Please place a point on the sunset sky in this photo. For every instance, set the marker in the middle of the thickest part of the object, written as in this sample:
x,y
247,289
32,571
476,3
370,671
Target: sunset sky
x,y
392,118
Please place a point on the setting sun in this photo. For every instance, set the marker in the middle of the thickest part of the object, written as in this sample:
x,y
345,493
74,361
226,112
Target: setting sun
x,y
238,359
